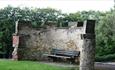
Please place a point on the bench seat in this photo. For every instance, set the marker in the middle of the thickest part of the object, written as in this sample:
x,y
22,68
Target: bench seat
x,y
64,54
59,56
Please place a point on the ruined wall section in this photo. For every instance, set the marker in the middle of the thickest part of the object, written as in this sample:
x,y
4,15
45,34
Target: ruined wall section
x,y
36,42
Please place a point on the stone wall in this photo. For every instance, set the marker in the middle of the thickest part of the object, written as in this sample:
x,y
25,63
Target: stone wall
x,y
36,42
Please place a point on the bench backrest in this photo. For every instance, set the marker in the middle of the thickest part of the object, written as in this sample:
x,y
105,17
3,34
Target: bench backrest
x,y
65,53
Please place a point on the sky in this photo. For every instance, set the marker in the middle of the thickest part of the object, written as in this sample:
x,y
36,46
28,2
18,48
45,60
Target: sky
x,y
66,6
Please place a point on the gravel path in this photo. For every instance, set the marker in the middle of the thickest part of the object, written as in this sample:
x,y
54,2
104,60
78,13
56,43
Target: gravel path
x,y
105,66
98,65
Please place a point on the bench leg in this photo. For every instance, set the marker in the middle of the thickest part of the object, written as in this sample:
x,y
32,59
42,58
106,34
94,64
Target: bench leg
x,y
77,60
54,59
71,60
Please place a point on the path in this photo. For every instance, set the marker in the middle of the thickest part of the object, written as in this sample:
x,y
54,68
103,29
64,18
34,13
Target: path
x,y
98,65
105,66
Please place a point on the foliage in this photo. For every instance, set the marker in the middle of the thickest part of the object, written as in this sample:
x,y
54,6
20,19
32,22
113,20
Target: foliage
x,y
1,34
109,57
84,15
105,37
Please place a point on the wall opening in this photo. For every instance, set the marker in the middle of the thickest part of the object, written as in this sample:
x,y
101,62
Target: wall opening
x,y
80,24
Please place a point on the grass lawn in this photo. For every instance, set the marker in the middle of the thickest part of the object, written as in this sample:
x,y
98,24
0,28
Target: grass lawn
x,y
26,65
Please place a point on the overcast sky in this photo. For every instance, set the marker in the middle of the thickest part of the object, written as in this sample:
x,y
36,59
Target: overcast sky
x,y
66,6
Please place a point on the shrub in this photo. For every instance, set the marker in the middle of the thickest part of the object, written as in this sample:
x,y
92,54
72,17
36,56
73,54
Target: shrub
x,y
109,57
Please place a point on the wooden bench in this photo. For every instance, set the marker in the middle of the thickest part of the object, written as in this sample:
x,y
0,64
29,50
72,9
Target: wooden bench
x,y
62,54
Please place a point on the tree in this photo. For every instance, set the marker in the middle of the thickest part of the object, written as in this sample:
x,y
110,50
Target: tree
x,y
8,16
106,34
84,15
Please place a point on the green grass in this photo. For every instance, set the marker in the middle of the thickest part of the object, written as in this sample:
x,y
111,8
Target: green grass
x,y
26,65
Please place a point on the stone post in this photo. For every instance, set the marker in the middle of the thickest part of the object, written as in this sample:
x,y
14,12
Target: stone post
x,y
87,55
15,42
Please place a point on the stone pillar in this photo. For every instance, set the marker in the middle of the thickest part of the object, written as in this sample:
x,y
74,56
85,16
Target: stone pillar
x,y
15,45
87,55
15,42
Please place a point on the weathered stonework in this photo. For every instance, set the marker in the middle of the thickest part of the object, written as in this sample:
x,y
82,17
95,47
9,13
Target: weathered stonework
x,y
87,55
36,42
